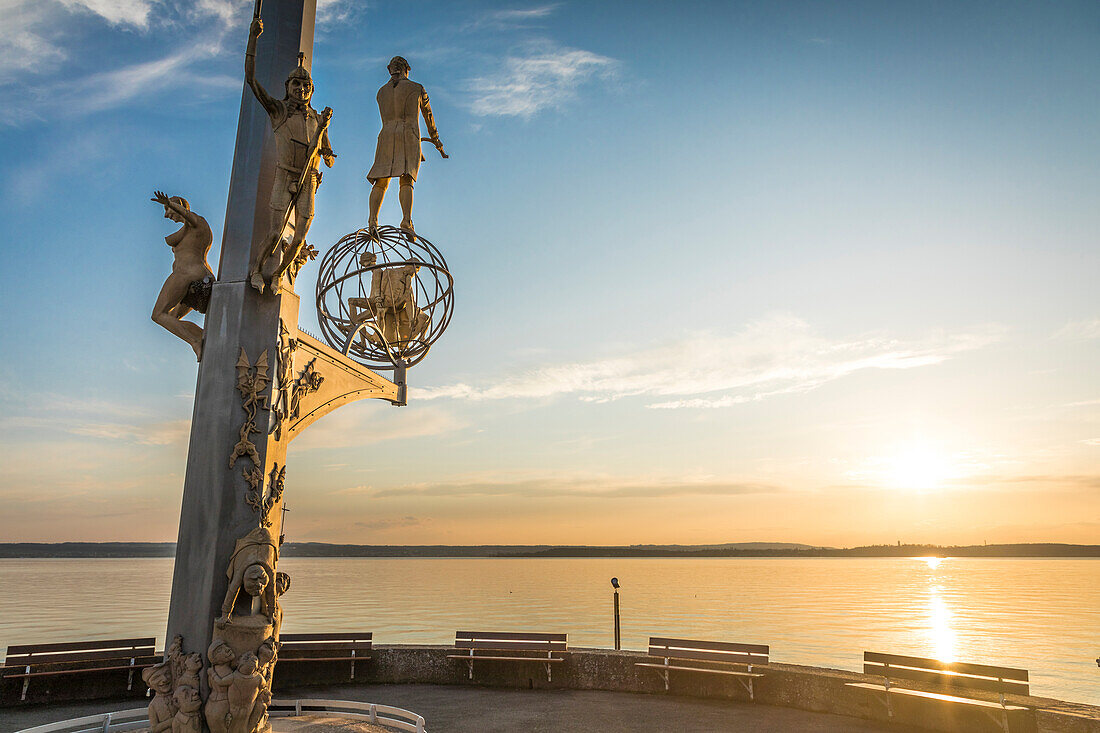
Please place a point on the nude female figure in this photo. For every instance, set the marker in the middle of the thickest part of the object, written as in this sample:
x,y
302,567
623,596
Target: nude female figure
x,y
190,245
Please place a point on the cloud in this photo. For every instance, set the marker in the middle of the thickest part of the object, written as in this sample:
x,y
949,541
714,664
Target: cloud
x,y
386,523
133,13
544,76
1083,330
512,18
576,487
31,40
366,424
773,356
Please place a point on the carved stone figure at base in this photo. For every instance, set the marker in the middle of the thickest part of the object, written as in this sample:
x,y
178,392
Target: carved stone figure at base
x,y
244,692
300,132
188,717
219,675
162,707
190,246
401,102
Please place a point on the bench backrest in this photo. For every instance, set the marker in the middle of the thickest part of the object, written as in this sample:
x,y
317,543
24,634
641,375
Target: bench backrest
x,y
519,641
21,656
708,651
305,645
949,676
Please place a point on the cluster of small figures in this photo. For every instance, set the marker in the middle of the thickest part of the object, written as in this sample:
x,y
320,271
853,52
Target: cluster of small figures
x,y
240,689
241,656
301,144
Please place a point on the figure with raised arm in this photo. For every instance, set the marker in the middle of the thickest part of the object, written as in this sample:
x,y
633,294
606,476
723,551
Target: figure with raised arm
x,y
190,273
301,142
401,102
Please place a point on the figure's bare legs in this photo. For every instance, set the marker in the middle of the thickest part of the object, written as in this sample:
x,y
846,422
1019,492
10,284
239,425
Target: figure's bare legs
x,y
377,195
168,306
303,217
406,195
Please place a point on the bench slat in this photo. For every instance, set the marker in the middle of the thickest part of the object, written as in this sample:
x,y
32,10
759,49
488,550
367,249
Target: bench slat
x,y
504,659
722,657
81,645
510,635
935,696
946,681
735,673
530,646
711,645
321,659
293,646
981,670
56,672
346,636
69,657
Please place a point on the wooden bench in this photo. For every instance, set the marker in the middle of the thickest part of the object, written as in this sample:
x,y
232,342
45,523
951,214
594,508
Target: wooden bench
x,y
336,647
31,661
722,653
498,642
951,681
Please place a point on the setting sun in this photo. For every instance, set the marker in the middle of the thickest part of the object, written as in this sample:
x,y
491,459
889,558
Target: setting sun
x,y
917,468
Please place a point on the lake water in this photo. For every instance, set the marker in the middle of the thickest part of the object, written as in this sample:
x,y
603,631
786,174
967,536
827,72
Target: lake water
x,y
1039,614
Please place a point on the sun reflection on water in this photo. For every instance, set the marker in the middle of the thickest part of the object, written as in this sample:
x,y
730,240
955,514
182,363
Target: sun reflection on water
x,y
941,634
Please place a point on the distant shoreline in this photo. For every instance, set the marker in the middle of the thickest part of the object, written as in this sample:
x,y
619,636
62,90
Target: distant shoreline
x,y
30,550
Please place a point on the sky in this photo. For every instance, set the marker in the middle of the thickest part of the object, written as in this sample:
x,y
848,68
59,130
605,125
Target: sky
x,y
791,271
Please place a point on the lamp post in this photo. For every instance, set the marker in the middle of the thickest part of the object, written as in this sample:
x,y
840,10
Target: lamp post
x,y
615,585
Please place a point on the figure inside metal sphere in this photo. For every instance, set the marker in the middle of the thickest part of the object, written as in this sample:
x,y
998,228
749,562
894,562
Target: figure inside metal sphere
x,y
391,306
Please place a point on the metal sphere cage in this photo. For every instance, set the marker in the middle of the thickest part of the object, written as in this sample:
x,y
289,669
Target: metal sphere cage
x,y
342,277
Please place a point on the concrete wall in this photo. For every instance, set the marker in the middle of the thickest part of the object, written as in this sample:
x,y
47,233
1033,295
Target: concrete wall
x,y
804,688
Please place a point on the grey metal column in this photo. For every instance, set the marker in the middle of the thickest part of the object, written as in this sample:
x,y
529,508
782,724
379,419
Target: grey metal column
x,y
214,513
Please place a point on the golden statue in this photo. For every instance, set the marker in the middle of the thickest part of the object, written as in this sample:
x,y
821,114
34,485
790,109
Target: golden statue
x,y
401,102
301,142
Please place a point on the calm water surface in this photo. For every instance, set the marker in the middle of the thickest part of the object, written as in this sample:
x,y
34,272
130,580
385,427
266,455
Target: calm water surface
x,y
1040,614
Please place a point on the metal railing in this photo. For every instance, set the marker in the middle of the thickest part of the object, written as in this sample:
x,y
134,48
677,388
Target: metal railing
x,y
126,720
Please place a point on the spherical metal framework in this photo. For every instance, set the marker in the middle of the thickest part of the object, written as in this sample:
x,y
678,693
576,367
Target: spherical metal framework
x,y
344,277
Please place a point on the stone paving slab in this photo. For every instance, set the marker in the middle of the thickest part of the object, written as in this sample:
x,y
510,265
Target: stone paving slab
x,y
454,709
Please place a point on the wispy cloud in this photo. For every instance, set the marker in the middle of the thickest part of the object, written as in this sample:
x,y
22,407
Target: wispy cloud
x,y
776,355
386,523
577,487
512,18
543,76
1083,330
366,424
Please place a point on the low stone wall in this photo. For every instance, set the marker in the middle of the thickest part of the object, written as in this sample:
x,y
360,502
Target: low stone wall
x,y
805,688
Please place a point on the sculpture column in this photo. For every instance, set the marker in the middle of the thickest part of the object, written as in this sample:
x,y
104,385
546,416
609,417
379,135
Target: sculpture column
x,y
237,454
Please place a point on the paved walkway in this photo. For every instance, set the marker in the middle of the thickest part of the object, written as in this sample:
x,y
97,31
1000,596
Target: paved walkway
x,y
453,709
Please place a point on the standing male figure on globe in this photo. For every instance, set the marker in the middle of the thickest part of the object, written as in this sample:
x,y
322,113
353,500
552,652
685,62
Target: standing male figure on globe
x,y
296,126
401,102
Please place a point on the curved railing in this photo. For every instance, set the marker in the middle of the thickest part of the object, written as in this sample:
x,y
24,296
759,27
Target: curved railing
x,y
126,720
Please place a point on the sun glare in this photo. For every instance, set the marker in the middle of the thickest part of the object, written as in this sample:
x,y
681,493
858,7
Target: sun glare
x,y
918,469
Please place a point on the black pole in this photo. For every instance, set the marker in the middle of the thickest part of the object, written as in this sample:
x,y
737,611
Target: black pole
x,y
617,645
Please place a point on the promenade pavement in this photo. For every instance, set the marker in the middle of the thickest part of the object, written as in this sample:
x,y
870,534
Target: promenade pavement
x,y
455,709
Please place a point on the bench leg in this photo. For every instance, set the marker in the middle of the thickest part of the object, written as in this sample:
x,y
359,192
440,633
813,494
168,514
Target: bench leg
x,y
747,684
548,679
26,684
471,663
352,665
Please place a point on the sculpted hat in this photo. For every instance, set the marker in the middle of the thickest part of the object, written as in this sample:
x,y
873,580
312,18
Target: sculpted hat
x,y
301,72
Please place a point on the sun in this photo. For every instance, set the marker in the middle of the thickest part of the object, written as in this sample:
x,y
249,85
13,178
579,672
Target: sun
x,y
918,468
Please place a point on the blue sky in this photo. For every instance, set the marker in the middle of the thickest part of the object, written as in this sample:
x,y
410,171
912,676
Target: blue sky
x,y
725,271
